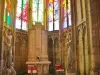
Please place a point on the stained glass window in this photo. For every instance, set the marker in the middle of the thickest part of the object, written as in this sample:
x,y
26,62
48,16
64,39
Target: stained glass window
x,y
22,14
69,13
64,12
50,15
53,15
7,12
56,14
37,11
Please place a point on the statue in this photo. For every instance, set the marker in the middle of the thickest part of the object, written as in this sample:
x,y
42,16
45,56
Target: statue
x,y
70,58
8,57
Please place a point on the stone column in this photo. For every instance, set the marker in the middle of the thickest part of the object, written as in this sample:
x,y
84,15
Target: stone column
x,y
1,25
81,53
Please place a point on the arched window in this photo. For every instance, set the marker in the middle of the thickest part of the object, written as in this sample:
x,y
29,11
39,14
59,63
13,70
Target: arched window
x,y
37,11
53,15
22,14
7,12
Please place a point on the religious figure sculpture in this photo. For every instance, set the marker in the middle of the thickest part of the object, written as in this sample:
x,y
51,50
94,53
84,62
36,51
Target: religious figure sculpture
x,y
8,57
70,58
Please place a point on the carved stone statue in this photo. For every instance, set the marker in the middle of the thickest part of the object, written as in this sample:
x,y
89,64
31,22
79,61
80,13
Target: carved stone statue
x,y
70,56
8,57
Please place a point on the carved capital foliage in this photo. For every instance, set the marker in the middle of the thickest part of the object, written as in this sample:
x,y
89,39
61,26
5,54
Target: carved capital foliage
x,y
53,35
21,36
38,26
80,30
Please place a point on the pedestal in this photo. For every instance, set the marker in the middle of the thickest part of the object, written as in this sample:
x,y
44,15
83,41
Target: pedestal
x,y
42,68
37,49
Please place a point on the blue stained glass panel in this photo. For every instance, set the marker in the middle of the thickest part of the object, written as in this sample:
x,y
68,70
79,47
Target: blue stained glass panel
x,y
8,19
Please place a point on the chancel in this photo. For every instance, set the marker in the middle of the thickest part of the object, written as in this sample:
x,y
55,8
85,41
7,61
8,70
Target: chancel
x,y
49,37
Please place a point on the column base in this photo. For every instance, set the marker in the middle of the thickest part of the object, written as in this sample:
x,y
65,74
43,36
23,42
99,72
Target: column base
x,y
71,74
42,67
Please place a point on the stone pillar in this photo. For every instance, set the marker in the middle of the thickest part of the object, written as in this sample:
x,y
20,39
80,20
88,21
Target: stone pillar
x,y
1,24
37,49
81,51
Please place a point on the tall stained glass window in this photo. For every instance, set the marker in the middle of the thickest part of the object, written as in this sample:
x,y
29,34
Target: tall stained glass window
x,y
50,15
7,12
37,11
53,15
66,13
22,14
69,13
56,14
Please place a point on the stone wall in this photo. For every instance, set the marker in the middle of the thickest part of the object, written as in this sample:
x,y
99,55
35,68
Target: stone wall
x,y
80,37
53,49
95,12
21,45
86,31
